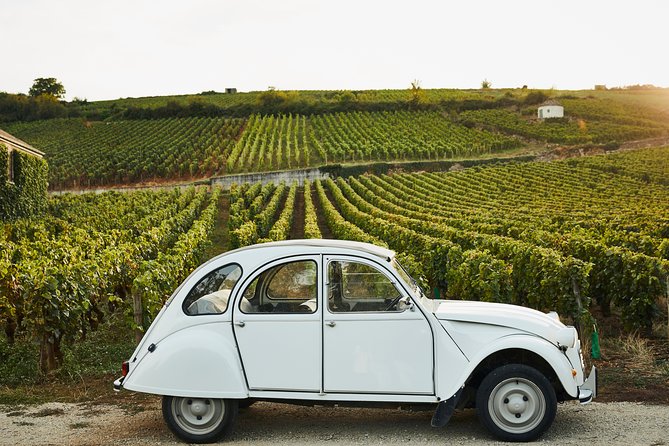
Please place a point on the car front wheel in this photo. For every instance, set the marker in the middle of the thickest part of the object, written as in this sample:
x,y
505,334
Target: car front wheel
x,y
199,420
516,403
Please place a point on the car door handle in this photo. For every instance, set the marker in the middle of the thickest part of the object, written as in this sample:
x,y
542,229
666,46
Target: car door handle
x,y
240,323
331,324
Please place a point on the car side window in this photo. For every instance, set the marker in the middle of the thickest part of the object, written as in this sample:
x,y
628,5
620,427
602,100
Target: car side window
x,y
212,293
354,286
287,288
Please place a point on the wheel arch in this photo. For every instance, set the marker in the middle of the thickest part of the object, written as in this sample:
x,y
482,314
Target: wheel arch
x,y
517,356
516,348
200,361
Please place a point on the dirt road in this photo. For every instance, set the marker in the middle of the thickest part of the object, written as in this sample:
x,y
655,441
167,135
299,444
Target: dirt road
x,y
275,424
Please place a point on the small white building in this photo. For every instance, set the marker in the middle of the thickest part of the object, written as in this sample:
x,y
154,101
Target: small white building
x,y
550,109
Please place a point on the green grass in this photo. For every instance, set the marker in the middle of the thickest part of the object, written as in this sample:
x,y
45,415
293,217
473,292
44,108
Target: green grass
x,y
18,362
99,355
88,369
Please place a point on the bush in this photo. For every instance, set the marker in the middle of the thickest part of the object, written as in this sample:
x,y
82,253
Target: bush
x,y
97,356
563,120
100,354
611,145
27,195
18,362
535,97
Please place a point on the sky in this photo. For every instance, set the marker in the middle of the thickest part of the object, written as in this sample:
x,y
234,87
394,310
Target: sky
x,y
132,48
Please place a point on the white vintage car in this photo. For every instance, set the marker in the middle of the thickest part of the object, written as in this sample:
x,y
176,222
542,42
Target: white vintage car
x,y
339,322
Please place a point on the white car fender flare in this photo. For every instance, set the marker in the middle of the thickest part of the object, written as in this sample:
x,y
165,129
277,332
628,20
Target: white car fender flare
x,y
199,361
557,360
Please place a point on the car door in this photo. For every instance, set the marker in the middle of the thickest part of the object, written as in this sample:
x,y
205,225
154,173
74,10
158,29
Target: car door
x,y
277,323
374,339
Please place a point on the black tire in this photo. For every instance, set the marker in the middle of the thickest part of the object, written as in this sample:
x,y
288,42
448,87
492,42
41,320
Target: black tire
x,y
245,404
516,402
199,420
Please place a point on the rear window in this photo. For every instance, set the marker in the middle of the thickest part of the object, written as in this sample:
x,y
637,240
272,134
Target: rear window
x,y
212,293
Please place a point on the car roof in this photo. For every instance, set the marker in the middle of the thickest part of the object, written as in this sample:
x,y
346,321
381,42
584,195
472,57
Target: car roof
x,y
368,248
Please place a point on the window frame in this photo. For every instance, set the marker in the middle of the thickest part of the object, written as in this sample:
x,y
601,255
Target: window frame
x,y
279,268
382,269
184,308
11,168
316,259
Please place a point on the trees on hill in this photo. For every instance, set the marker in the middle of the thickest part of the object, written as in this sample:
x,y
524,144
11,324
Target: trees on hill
x,y
43,102
47,86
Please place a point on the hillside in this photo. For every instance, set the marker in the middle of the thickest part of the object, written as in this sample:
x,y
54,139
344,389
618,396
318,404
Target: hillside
x,y
588,237
171,138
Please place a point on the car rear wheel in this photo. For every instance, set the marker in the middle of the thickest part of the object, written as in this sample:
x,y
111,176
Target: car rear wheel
x,y
199,420
516,403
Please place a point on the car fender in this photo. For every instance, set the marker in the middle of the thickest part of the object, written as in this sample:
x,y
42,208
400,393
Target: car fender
x,y
549,352
199,361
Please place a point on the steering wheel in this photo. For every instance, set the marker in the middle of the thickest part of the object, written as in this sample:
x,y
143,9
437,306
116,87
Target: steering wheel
x,y
393,303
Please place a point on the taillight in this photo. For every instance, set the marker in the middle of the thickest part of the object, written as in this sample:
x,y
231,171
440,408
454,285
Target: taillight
x,y
125,368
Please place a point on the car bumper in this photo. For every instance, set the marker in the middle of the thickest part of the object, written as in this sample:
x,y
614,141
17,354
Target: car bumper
x,y
588,391
118,384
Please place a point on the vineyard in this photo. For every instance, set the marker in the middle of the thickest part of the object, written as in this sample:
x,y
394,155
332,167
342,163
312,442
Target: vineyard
x,y
313,131
84,154
567,236
321,96
61,276
648,165
120,152
350,137
288,142
593,124
563,235
653,99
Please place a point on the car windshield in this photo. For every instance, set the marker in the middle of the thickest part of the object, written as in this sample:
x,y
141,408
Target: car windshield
x,y
407,278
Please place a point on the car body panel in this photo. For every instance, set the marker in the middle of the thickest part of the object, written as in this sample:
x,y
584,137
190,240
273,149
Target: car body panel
x,y
511,316
280,351
281,354
479,341
424,353
376,352
182,364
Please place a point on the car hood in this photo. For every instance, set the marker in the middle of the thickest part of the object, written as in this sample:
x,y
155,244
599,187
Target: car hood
x,y
511,316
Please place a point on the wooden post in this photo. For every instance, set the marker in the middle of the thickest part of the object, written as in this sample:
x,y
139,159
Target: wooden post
x,y
47,354
138,316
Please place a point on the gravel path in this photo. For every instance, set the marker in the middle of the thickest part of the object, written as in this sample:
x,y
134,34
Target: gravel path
x,y
272,424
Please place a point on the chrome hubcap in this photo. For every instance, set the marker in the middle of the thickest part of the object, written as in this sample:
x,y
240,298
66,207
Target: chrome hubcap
x,y
198,416
517,405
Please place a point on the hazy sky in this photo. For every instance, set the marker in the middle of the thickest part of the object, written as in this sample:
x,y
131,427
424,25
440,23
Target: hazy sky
x,y
121,48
